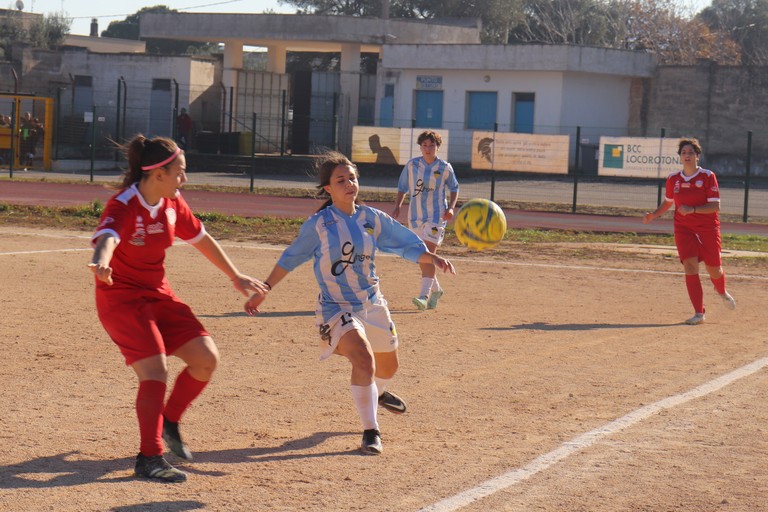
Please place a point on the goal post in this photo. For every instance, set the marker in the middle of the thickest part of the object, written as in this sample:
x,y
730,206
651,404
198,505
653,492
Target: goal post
x,y
23,137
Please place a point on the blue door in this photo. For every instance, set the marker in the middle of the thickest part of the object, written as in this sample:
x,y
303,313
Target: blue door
x,y
429,109
160,108
481,110
524,103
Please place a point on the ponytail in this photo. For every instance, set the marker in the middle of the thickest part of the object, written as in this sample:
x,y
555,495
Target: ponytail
x,y
149,154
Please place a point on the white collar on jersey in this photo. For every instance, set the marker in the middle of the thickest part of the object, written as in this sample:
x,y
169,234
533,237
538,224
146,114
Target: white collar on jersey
x,y
154,211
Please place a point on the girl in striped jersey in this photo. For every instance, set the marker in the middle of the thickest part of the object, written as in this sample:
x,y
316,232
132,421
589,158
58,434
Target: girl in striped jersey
x,y
432,190
352,315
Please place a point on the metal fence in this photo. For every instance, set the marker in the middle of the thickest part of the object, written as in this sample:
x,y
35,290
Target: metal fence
x,y
232,143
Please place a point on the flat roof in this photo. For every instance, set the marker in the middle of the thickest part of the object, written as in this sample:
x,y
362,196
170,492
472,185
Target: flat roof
x,y
307,32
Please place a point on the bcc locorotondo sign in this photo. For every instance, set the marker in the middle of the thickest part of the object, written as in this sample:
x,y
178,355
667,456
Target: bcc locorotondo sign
x,y
638,157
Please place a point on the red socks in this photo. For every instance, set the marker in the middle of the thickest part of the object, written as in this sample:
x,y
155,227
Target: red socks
x,y
719,284
695,292
149,410
186,389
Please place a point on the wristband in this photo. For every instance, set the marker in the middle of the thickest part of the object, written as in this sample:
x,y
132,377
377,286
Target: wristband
x,y
269,286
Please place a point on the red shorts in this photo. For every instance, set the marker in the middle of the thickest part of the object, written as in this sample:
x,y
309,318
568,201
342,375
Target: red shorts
x,y
704,245
145,323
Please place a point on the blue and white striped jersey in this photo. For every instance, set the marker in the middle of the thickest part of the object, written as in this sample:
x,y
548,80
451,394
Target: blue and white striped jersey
x,y
427,187
344,251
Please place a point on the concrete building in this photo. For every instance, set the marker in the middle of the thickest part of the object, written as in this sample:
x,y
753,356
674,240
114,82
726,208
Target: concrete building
x,y
430,73
105,44
280,34
131,93
516,88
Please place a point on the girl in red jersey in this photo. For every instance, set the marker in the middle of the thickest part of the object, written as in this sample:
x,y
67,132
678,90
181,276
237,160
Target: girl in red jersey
x,y
696,196
136,304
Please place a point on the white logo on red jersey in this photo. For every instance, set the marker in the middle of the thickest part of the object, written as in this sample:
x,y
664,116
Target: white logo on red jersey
x,y
170,214
107,220
137,238
155,228
699,183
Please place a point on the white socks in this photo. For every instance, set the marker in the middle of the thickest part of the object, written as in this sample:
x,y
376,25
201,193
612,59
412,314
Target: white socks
x,y
426,286
381,385
366,400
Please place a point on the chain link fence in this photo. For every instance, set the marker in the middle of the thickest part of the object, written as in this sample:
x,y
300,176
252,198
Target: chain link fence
x,y
261,136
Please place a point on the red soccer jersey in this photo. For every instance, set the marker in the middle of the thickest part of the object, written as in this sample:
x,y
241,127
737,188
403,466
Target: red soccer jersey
x,y
696,190
144,233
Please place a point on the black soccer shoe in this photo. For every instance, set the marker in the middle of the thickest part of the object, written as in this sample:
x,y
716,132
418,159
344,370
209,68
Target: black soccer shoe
x,y
158,468
371,444
392,403
172,438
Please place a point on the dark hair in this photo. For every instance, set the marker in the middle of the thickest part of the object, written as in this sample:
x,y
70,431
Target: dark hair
x,y
694,143
431,135
141,151
324,166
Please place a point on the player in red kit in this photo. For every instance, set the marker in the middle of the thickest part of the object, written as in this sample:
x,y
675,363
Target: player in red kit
x,y
696,196
136,304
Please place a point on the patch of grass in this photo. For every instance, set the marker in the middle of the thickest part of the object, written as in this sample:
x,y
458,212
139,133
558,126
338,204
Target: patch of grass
x,y
276,230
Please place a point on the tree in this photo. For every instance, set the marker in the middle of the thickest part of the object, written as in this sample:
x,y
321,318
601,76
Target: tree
x,y
658,26
338,7
729,32
582,22
44,32
129,29
743,21
49,31
497,16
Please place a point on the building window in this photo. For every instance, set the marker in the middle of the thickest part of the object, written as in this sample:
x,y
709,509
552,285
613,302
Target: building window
x,y
481,110
161,84
83,95
83,81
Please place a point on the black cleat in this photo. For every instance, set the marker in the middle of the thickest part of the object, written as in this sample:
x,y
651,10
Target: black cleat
x,y
371,444
158,468
392,403
172,438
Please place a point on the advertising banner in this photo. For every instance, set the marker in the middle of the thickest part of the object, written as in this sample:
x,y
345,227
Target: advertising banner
x,y
638,157
522,152
378,145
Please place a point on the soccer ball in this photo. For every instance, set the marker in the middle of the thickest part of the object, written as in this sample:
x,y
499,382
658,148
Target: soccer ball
x,y
480,224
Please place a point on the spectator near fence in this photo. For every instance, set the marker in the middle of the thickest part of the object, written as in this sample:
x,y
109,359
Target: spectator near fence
x,y
184,125
38,135
27,140
5,140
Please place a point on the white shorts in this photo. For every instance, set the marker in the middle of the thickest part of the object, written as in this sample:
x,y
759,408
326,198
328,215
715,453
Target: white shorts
x,y
373,324
430,232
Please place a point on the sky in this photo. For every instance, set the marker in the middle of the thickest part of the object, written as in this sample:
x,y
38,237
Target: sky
x,y
81,11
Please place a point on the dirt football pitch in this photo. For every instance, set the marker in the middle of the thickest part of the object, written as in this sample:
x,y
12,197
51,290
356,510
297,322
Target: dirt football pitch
x,y
539,384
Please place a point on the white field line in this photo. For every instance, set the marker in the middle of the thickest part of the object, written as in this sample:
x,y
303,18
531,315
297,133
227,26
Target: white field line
x,y
588,439
48,251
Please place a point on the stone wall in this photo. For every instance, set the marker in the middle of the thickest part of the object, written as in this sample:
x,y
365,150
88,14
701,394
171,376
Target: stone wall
x,y
719,105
